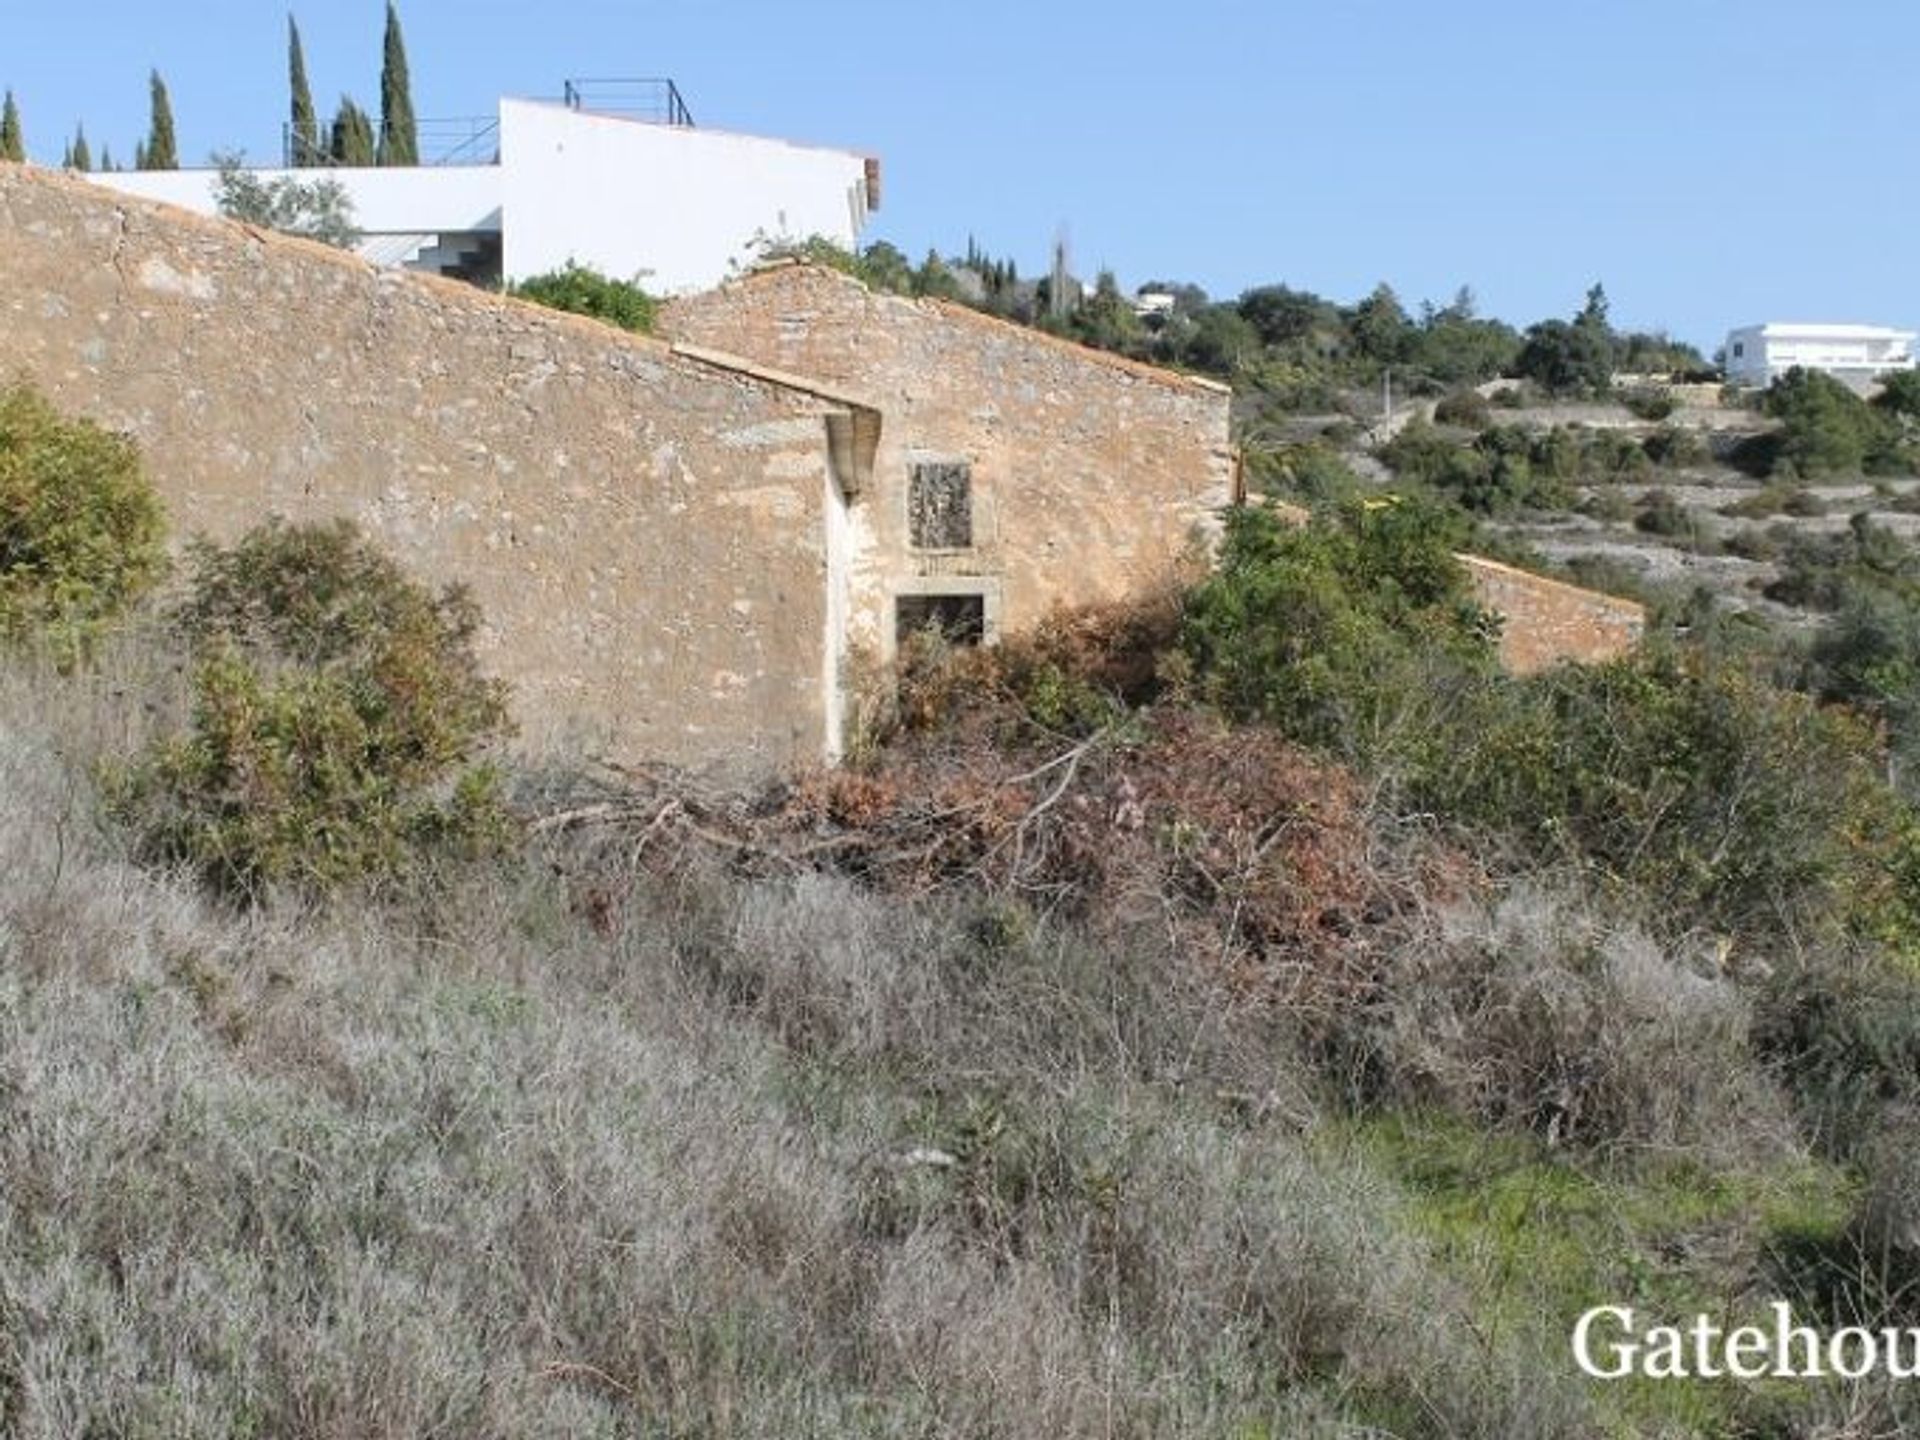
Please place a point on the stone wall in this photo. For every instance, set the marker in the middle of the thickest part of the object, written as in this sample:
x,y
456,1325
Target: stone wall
x,y
644,530
1544,622
1549,622
1091,477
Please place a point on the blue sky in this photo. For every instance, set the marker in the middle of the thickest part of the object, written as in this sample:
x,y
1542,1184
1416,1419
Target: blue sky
x,y
1713,163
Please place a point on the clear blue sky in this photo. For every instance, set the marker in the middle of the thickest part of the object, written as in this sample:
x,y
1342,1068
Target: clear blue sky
x,y
1713,163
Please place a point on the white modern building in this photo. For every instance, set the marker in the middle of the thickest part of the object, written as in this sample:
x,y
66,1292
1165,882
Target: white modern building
x,y
649,198
1857,354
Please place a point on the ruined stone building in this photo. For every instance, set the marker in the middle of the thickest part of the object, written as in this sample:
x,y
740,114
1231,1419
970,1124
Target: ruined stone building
x,y
1090,475
681,554
1014,473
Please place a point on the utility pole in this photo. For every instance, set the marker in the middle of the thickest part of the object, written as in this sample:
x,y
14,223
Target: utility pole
x,y
1386,391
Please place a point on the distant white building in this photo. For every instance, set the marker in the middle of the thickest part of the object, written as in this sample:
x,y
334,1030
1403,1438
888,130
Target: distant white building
x,y
1154,304
1856,354
651,199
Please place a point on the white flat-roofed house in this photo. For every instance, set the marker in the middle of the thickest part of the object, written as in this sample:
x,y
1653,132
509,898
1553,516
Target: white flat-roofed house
x,y
1858,355
638,196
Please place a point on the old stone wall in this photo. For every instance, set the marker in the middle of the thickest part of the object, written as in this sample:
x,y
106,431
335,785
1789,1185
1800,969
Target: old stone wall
x,y
1543,622
1548,622
1090,477
644,530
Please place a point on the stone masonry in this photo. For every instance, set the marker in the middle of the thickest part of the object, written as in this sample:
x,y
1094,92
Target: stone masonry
x,y
680,554
1543,622
1014,469
1548,622
645,531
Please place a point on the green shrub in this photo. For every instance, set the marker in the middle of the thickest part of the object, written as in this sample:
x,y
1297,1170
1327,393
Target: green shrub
x,y
81,530
1826,429
338,717
1612,453
1900,395
1610,575
1821,571
1313,472
1662,514
1754,543
1331,630
582,290
1608,505
1675,447
1288,387
1721,800
1842,1027
1716,798
1466,408
1762,504
1777,499
1495,474
1508,467
880,267
1649,402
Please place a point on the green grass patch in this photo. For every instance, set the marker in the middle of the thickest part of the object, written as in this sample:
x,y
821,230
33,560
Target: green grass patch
x,y
1536,1240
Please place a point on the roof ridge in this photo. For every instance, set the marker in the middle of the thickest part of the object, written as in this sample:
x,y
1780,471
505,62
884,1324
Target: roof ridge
x,y
442,287
783,264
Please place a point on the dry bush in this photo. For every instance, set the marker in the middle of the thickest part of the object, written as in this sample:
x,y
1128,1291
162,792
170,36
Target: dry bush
x,y
1234,848
1081,668
482,1167
1234,842
1029,772
1536,1014
1841,1024
1875,1278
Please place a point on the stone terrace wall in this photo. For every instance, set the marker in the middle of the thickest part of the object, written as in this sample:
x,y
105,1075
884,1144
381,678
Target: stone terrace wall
x,y
1546,621
643,530
1549,621
1091,476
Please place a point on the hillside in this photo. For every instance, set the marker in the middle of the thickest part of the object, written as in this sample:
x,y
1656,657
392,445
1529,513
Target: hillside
x,y
1161,1029
1246,1008
788,1155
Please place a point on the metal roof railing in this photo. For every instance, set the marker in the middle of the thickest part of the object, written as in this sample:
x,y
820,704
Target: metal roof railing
x,y
655,99
475,139
457,140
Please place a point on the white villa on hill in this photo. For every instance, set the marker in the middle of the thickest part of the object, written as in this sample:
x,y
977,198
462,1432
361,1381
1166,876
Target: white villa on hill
x,y
637,196
1856,354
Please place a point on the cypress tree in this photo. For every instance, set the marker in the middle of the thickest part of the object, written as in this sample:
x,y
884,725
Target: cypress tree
x,y
399,137
13,144
107,166
81,157
139,154
306,125
161,153
352,135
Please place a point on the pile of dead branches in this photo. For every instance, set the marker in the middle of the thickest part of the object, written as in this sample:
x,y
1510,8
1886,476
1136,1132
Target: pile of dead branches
x,y
1240,848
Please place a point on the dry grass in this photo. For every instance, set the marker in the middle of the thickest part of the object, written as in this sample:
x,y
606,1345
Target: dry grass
x,y
752,1149
1537,1014
771,1157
